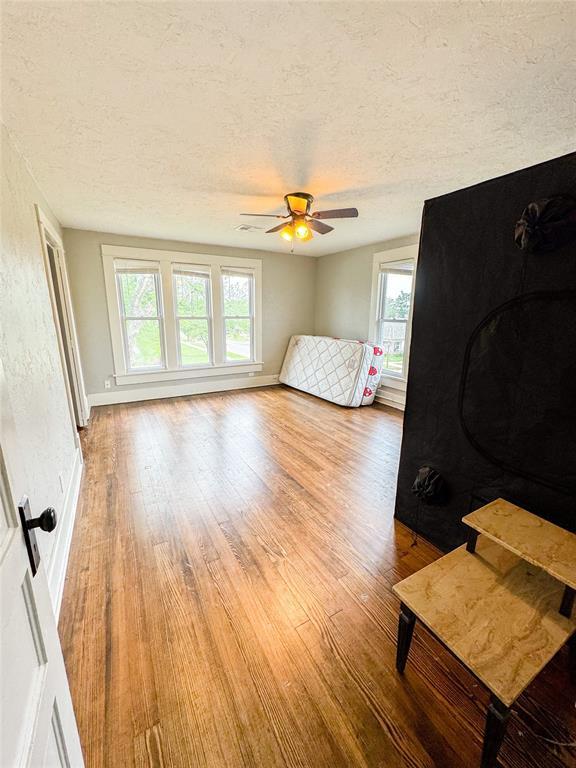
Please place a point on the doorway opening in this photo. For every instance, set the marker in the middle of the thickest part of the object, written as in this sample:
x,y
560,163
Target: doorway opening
x,y
59,289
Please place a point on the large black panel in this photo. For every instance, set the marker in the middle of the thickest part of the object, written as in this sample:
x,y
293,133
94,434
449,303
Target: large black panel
x,y
491,400
518,388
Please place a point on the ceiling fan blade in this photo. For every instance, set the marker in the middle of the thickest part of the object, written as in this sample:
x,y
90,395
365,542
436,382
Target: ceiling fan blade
x,y
277,228
320,227
337,213
267,215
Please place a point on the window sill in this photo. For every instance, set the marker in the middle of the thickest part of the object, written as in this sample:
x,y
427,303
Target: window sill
x,y
204,372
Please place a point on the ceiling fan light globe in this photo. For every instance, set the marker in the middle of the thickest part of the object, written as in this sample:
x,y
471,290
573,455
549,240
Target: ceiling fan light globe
x,y
302,231
287,232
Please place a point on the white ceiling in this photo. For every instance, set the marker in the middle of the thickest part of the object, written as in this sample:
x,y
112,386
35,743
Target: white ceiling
x,y
168,119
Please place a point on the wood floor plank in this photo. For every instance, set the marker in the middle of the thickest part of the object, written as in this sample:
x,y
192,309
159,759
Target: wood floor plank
x,y
228,601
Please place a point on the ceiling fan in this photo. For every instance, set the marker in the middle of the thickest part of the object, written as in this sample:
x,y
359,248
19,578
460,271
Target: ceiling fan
x,y
301,221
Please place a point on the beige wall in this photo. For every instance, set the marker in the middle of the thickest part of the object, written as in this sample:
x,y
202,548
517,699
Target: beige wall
x,y
36,430
329,296
343,302
344,290
288,300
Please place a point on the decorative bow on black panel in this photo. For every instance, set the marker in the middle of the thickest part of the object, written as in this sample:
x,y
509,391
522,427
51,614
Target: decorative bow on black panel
x,y
546,224
429,486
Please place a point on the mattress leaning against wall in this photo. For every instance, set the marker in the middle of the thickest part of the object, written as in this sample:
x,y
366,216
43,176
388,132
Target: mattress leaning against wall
x,y
342,371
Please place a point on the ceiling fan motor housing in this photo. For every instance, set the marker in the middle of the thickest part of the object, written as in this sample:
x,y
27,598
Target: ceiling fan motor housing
x,y
299,203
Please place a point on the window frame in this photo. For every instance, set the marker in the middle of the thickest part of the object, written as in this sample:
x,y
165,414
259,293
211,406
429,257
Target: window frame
x,y
194,271
391,261
159,317
211,264
250,316
393,268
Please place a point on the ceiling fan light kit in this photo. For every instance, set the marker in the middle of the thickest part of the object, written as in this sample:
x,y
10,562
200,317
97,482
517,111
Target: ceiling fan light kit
x,y
302,221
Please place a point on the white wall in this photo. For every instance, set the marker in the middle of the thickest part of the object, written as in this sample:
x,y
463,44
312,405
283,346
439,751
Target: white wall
x,y
288,283
36,430
343,297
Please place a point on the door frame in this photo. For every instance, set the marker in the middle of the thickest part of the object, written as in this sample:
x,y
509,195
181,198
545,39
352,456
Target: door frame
x,y
67,338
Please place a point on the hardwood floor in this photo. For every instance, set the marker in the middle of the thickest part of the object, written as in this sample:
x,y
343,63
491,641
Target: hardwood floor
x,y
228,601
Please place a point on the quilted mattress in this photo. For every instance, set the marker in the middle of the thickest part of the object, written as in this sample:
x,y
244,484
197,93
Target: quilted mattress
x,y
342,371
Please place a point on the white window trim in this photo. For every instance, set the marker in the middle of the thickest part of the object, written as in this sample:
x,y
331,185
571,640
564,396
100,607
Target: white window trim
x,y
389,258
212,263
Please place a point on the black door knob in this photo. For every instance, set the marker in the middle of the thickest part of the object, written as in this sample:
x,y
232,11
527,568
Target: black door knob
x,y
46,521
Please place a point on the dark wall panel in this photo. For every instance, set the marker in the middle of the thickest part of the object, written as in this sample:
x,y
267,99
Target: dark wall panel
x,y
468,266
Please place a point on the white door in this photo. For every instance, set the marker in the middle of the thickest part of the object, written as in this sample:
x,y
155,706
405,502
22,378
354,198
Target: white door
x,y
37,723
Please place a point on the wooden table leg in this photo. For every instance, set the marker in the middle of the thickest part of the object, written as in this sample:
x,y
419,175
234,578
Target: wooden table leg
x,y
405,631
471,540
496,722
567,602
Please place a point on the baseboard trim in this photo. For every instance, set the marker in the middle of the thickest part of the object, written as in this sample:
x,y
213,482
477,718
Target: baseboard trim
x,y
180,390
59,559
391,401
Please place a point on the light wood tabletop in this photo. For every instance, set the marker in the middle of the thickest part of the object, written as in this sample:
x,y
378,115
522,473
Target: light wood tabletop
x,y
530,537
495,611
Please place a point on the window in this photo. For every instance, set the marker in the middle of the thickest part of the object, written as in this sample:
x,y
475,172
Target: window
x,y
238,315
394,305
193,317
140,305
176,315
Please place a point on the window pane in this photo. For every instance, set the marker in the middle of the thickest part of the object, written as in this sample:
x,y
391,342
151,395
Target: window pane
x,y
392,339
191,296
138,295
194,342
236,290
143,341
238,336
398,296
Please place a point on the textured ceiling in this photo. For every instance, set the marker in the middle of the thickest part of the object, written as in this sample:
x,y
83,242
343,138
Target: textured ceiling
x,y
168,119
